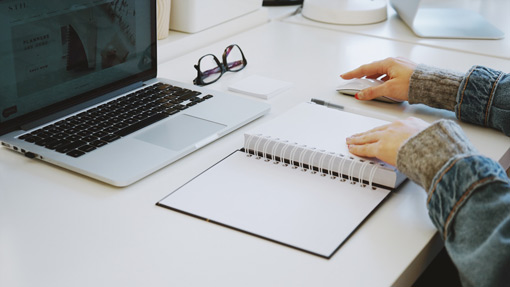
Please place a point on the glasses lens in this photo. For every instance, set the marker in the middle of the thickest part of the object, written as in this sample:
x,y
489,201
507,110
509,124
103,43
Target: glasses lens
x,y
234,58
209,69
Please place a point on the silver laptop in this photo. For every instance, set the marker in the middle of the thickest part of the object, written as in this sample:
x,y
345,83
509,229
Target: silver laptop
x,y
79,90
431,22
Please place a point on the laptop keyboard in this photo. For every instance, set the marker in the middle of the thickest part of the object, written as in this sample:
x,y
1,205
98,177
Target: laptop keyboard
x,y
96,127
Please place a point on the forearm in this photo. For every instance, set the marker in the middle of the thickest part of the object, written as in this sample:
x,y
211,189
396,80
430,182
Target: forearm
x,y
423,155
482,96
434,87
468,200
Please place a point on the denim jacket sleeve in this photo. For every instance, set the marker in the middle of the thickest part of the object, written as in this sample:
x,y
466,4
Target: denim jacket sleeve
x,y
468,194
468,201
484,99
474,218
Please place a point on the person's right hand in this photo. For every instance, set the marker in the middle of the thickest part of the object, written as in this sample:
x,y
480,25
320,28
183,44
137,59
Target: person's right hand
x,y
384,142
396,73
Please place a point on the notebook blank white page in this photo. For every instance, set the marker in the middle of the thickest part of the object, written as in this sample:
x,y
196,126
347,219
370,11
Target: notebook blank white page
x,y
317,126
307,211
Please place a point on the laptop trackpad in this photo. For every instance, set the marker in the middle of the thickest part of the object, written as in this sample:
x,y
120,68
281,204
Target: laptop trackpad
x,y
180,132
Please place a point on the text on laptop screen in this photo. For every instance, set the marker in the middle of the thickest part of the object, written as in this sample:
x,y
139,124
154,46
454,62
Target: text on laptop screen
x,y
51,50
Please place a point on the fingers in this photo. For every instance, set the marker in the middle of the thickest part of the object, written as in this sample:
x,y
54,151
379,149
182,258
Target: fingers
x,y
373,70
396,88
363,139
366,144
366,150
383,142
374,92
369,143
370,134
395,72
391,71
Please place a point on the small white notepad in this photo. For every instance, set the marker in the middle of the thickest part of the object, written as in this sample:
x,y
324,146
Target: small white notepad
x,y
260,86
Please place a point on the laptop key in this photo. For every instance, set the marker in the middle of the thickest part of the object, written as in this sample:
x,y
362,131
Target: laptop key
x,y
57,144
32,139
75,153
46,141
87,148
98,143
110,138
111,129
141,124
67,148
73,138
171,111
89,138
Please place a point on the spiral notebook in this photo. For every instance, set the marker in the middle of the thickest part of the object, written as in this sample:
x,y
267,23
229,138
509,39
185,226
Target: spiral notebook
x,y
294,182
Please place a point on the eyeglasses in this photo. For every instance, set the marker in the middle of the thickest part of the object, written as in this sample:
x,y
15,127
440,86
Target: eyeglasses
x,y
209,69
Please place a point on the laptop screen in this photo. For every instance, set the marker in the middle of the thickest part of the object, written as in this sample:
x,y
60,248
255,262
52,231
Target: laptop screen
x,y
54,54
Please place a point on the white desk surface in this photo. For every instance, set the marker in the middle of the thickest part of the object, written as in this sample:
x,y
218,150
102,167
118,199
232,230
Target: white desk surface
x,y
61,229
395,28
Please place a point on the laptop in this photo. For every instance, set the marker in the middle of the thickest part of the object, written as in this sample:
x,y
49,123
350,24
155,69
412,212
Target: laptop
x,y
79,90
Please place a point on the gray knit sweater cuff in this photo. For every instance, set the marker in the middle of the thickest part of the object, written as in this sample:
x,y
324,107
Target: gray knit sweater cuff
x,y
434,87
423,155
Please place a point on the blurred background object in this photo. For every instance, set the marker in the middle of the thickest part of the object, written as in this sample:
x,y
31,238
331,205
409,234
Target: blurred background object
x,y
345,12
163,17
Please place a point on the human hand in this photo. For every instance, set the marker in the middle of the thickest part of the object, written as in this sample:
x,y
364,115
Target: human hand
x,y
396,73
383,142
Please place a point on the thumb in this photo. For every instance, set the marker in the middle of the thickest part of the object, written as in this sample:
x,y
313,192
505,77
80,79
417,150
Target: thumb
x,y
371,93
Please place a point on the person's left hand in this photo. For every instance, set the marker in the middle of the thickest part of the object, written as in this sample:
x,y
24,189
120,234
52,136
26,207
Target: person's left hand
x,y
384,142
396,73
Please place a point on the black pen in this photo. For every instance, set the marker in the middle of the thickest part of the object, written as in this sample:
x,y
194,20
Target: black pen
x,y
376,115
327,104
